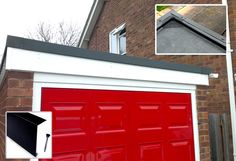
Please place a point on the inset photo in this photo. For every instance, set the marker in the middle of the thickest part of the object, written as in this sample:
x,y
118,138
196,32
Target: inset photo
x,y
190,29
28,135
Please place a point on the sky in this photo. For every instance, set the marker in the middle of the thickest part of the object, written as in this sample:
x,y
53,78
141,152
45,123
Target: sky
x,y
19,17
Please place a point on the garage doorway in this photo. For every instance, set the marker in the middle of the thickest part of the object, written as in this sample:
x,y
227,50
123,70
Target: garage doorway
x,y
102,125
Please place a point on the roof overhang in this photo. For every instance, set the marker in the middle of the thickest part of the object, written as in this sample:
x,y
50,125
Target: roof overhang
x,y
35,56
90,23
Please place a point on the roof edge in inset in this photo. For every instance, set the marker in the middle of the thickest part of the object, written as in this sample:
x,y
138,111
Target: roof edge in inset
x,y
196,27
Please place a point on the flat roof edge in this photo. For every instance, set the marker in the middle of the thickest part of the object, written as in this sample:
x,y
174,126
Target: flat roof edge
x,y
39,46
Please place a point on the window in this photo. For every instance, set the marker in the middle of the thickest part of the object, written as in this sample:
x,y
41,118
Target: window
x,y
117,40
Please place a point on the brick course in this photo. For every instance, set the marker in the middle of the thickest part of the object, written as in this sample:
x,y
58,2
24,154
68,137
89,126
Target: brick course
x,y
139,18
15,95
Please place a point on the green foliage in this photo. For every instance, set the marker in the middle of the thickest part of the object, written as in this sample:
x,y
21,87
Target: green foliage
x,y
160,8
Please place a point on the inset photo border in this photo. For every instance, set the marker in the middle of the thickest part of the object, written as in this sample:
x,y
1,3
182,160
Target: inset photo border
x,y
28,135
190,29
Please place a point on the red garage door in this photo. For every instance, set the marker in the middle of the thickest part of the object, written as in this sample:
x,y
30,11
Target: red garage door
x,y
109,125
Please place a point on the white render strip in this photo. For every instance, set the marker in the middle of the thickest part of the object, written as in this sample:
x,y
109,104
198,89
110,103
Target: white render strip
x,y
106,83
25,60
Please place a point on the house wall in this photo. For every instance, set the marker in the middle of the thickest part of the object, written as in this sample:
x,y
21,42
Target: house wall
x,y
15,95
139,19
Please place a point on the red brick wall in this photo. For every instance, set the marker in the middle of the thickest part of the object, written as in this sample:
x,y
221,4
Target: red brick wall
x,y
139,18
15,95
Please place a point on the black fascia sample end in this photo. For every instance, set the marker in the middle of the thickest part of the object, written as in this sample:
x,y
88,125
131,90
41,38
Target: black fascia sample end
x,y
22,127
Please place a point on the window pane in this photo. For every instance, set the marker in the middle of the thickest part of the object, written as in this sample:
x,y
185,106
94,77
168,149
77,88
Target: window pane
x,y
113,43
122,43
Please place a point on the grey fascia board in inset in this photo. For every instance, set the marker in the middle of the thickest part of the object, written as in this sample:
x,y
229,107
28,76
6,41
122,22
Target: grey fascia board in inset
x,y
192,25
39,46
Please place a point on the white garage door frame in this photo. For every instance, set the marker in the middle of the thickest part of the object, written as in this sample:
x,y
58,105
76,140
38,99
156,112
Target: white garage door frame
x,y
87,82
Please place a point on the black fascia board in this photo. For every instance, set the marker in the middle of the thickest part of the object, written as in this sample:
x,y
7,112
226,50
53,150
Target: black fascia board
x,y
194,26
39,46
22,127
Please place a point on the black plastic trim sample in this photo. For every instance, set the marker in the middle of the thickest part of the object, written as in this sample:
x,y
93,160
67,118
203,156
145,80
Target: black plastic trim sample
x,y
34,45
22,128
194,26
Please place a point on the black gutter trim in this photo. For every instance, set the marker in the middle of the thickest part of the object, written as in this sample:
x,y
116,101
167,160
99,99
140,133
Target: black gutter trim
x,y
39,46
209,34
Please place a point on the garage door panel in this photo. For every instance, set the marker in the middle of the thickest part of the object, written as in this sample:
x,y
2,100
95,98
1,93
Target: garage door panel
x,y
69,120
69,142
178,115
108,139
69,126
149,135
149,122
151,152
179,133
69,117
110,117
180,150
179,122
149,116
111,154
111,125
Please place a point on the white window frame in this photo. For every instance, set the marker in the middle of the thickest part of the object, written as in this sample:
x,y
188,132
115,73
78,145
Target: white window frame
x,y
115,33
